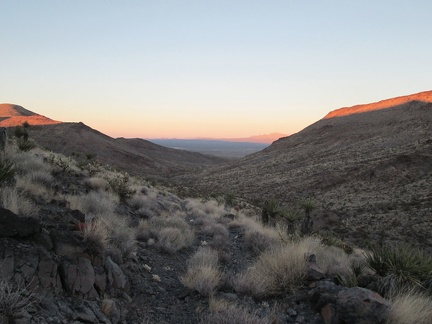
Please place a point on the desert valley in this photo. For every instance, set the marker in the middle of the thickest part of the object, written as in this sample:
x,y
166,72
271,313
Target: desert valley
x,y
329,225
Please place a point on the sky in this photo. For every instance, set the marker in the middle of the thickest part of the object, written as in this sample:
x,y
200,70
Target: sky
x,y
220,68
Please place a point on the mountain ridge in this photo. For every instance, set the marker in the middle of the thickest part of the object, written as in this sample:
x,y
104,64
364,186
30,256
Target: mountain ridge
x,y
12,115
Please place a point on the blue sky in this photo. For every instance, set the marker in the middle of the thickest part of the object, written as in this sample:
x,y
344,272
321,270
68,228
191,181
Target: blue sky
x,y
209,68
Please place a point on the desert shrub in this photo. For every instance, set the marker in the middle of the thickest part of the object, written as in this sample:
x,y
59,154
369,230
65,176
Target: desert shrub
x,y
137,201
172,239
399,266
120,234
11,199
203,274
173,233
94,203
120,184
257,236
259,241
97,183
202,210
225,313
276,271
14,299
96,235
66,164
410,308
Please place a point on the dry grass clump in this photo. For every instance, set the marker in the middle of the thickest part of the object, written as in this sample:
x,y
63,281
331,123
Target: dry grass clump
x,y
34,187
259,237
13,299
104,226
173,233
96,235
205,210
94,203
97,183
410,308
222,312
277,270
30,162
14,201
203,274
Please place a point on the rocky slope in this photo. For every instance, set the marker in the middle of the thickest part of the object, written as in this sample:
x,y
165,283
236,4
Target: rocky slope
x,y
368,168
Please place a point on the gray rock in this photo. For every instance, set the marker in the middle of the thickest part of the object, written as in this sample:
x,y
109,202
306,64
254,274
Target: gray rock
x,y
338,304
85,314
361,305
291,312
116,277
314,272
79,278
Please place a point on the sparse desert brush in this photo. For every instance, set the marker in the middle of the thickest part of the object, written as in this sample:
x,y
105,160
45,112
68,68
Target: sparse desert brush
x,y
223,312
276,271
203,274
94,203
410,308
32,188
400,267
17,203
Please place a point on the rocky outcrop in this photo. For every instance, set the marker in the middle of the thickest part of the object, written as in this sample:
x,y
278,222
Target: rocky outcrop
x,y
54,261
12,225
339,305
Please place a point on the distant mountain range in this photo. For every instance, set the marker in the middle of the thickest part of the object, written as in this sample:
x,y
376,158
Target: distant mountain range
x,y
224,147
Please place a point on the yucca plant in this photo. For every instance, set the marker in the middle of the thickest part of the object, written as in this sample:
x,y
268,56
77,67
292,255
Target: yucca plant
x,y
400,266
271,209
308,206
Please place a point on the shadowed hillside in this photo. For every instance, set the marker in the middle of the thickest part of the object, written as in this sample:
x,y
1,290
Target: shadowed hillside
x,y
370,172
137,156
